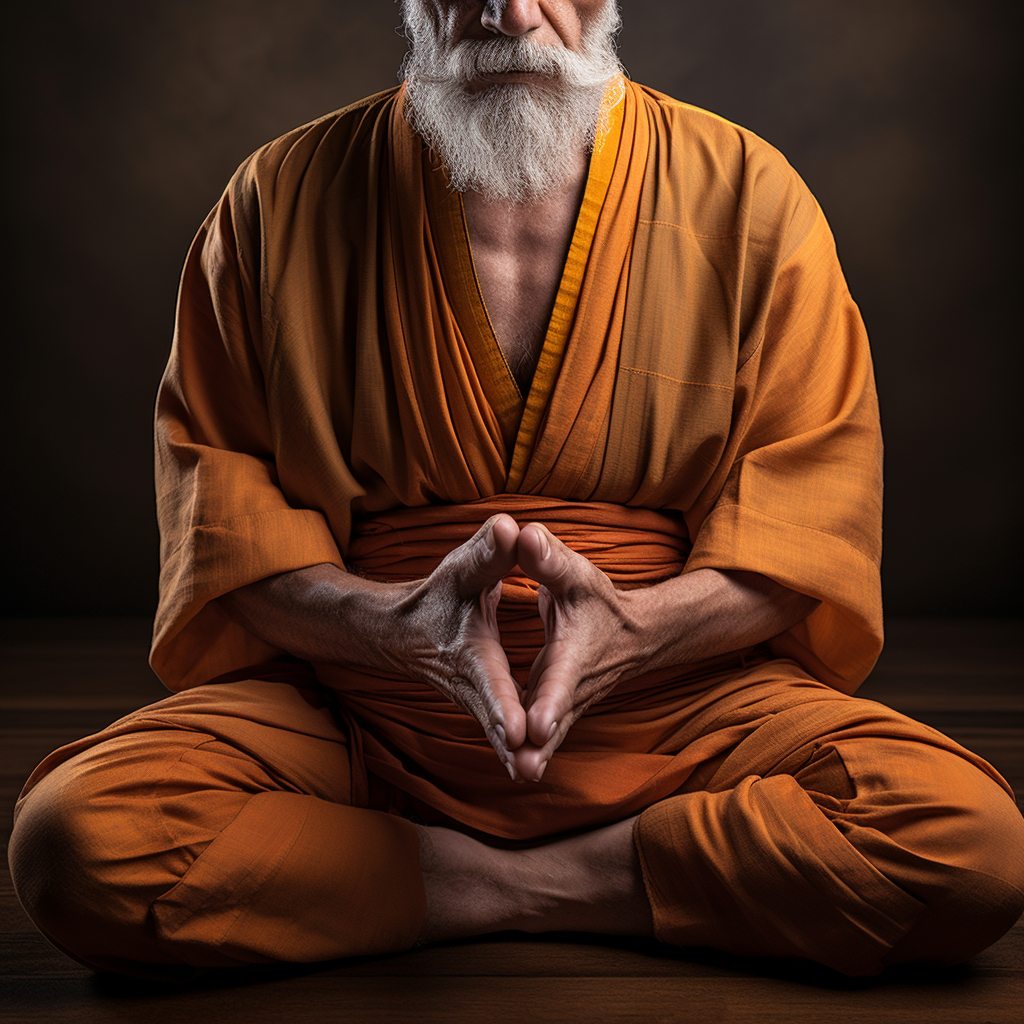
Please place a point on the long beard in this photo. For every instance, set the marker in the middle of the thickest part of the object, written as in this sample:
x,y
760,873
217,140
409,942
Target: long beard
x,y
512,142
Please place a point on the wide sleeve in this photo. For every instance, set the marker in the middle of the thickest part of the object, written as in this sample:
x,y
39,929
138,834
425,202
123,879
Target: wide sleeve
x,y
801,501
224,520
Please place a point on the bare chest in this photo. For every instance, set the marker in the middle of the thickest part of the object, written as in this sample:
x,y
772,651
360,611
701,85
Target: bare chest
x,y
519,258
519,293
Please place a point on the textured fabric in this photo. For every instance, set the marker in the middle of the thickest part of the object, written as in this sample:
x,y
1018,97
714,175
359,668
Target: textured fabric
x,y
834,829
335,393
335,384
216,828
212,829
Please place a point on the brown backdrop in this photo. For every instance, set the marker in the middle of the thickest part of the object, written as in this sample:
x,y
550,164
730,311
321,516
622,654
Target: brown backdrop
x,y
128,118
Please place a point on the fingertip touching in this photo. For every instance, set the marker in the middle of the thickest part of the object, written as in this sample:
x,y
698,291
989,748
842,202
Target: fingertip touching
x,y
491,553
515,733
503,533
511,726
542,725
535,551
530,764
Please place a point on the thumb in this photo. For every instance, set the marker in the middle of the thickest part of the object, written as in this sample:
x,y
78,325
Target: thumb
x,y
486,557
546,560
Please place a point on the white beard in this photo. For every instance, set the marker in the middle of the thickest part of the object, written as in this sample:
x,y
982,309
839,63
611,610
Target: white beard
x,y
512,142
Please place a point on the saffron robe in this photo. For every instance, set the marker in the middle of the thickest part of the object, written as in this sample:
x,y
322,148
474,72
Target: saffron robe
x,y
335,393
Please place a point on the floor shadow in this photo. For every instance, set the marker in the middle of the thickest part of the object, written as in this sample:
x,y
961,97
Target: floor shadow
x,y
708,961
122,986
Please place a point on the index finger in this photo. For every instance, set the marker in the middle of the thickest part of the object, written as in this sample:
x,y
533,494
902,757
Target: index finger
x,y
554,679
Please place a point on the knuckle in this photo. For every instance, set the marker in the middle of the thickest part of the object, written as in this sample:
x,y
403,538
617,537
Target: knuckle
x,y
465,695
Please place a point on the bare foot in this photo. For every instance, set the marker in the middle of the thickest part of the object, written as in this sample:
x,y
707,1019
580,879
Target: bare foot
x,y
590,883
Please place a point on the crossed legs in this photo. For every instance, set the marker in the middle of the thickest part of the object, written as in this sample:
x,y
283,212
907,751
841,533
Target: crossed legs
x,y
216,828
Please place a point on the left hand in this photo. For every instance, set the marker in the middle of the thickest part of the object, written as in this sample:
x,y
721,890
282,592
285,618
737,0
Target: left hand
x,y
592,639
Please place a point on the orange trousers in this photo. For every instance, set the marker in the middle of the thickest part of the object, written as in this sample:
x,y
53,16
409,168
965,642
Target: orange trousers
x,y
215,828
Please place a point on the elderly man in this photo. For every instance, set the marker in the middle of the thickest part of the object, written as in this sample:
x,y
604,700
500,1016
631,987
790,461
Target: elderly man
x,y
518,467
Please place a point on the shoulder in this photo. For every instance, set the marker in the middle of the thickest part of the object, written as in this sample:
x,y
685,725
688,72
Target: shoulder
x,y
313,154
725,177
291,186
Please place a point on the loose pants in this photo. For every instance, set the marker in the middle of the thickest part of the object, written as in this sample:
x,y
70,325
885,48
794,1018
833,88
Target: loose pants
x,y
217,828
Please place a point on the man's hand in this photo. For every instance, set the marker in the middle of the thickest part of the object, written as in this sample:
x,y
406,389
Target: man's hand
x,y
441,630
596,636
445,632
591,640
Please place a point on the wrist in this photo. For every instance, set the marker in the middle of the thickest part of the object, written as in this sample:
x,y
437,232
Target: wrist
x,y
691,617
368,615
661,618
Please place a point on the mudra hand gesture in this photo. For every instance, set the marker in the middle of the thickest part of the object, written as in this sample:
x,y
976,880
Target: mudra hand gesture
x,y
450,639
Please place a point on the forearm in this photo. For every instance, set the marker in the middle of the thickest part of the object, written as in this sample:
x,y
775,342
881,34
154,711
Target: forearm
x,y
707,613
320,614
441,630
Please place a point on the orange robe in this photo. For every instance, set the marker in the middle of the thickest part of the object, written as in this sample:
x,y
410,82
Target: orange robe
x,y
704,398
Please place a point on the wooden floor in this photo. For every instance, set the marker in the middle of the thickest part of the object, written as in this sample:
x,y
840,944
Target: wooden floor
x,y
63,679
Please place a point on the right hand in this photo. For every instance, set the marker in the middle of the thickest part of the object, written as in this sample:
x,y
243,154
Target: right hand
x,y
445,633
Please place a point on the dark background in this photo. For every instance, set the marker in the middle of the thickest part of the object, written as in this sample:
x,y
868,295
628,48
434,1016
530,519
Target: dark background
x,y
127,119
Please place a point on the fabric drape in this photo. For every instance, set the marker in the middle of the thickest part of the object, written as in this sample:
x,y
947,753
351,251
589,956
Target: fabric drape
x,y
222,826
335,389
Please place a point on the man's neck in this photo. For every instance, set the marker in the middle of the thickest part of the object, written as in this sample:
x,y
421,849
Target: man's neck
x,y
504,223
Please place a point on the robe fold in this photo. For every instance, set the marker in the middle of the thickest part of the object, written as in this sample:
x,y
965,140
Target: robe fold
x,y
335,394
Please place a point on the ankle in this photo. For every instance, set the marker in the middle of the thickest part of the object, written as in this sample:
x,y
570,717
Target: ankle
x,y
464,883
589,883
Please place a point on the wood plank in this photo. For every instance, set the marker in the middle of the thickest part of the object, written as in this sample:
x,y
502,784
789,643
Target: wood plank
x,y
426,1000
554,955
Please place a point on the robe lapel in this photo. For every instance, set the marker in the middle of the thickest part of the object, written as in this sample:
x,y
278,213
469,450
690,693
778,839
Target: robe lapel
x,y
444,347
451,235
451,414
567,409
